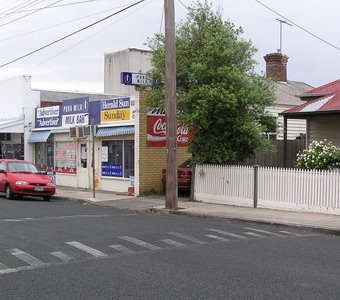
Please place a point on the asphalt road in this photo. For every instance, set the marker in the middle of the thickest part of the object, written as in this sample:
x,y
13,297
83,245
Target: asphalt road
x,y
63,250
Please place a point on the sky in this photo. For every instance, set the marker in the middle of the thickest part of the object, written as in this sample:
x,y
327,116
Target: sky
x,y
76,62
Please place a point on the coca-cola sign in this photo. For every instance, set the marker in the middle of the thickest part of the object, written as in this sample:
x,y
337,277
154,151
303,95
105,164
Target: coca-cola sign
x,y
156,130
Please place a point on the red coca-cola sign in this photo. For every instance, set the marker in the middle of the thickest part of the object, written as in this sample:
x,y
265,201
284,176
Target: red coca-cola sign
x,y
156,131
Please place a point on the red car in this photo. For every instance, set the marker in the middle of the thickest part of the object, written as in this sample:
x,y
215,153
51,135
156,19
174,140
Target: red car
x,y
183,176
22,178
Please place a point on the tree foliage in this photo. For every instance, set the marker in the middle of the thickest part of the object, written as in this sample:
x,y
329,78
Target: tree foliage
x,y
218,92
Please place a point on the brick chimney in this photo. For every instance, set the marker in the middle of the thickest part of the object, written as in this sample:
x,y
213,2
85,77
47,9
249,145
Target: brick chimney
x,y
276,66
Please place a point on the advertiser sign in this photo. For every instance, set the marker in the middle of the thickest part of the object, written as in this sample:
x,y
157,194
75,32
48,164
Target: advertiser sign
x,y
75,112
47,117
115,110
156,130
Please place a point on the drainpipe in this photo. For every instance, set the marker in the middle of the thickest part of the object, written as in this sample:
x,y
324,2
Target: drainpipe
x,y
285,143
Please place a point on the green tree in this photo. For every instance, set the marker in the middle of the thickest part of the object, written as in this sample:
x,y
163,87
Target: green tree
x,y
218,92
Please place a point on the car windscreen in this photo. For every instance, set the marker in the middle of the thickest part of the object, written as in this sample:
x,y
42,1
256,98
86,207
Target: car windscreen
x,y
22,167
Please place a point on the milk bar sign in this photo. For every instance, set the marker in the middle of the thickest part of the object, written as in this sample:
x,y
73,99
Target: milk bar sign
x,y
75,112
128,78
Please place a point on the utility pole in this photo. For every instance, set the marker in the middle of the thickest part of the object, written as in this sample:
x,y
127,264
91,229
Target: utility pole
x,y
281,22
170,106
93,162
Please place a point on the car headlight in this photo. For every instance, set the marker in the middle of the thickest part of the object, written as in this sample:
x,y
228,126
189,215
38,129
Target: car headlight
x,y
50,184
21,182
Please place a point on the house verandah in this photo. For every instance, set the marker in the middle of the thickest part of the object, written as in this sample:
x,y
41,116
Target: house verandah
x,y
321,112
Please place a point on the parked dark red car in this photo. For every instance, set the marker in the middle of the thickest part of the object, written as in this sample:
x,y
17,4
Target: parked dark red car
x,y
183,176
22,178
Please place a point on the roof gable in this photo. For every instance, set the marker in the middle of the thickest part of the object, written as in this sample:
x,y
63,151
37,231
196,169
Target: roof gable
x,y
326,99
329,103
331,87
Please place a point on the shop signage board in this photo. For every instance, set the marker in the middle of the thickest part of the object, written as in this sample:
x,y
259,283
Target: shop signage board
x,y
156,130
75,112
115,110
129,78
114,170
46,117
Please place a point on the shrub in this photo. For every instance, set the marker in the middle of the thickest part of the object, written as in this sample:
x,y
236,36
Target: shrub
x,y
321,155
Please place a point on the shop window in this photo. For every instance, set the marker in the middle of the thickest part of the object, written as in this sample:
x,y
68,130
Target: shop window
x,y
12,151
44,156
65,159
118,158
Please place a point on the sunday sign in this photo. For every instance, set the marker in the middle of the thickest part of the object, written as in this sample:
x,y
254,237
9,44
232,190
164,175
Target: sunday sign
x,y
114,110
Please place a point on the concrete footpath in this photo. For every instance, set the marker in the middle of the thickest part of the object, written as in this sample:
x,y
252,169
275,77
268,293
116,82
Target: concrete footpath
x,y
156,204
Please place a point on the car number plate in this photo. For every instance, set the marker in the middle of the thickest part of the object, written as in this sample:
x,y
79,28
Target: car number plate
x,y
39,189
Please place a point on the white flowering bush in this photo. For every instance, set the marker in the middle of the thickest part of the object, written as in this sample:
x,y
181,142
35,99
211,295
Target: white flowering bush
x,y
320,155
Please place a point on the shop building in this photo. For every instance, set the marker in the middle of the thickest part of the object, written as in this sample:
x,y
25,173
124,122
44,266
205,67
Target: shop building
x,y
122,141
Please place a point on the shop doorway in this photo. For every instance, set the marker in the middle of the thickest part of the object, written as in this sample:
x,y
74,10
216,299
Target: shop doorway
x,y
83,175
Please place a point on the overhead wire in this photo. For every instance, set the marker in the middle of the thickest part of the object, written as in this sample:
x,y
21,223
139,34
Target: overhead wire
x,y
31,13
18,7
87,38
71,34
295,24
53,6
59,24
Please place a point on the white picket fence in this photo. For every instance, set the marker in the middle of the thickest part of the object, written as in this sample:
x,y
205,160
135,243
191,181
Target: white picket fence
x,y
276,188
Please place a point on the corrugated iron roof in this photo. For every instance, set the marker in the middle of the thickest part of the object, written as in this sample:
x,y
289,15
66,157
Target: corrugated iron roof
x,y
329,103
286,92
331,87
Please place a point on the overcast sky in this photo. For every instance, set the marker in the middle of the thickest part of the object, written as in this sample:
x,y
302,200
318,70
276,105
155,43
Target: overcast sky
x,y
77,62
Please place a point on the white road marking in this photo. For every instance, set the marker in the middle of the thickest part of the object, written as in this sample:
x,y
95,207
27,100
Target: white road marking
x,y
187,237
64,217
254,234
3,267
140,243
63,256
291,233
263,231
173,243
122,248
87,249
220,238
229,234
31,260
13,270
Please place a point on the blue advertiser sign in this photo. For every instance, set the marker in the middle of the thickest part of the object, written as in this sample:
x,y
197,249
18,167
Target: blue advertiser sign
x,y
75,112
113,170
47,117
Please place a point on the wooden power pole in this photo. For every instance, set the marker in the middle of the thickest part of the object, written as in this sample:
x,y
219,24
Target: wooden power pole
x,y
170,106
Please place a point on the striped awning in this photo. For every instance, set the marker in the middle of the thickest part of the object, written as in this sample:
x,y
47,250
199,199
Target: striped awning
x,y
39,136
114,131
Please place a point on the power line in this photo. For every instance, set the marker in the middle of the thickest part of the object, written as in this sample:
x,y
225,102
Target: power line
x,y
305,30
71,34
29,13
87,38
59,24
52,6
20,6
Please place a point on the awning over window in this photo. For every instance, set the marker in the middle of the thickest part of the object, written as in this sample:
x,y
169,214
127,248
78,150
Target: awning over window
x,y
60,130
39,136
113,131
12,125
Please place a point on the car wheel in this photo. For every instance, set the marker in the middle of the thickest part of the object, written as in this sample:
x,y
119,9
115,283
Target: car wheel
x,y
9,194
47,198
